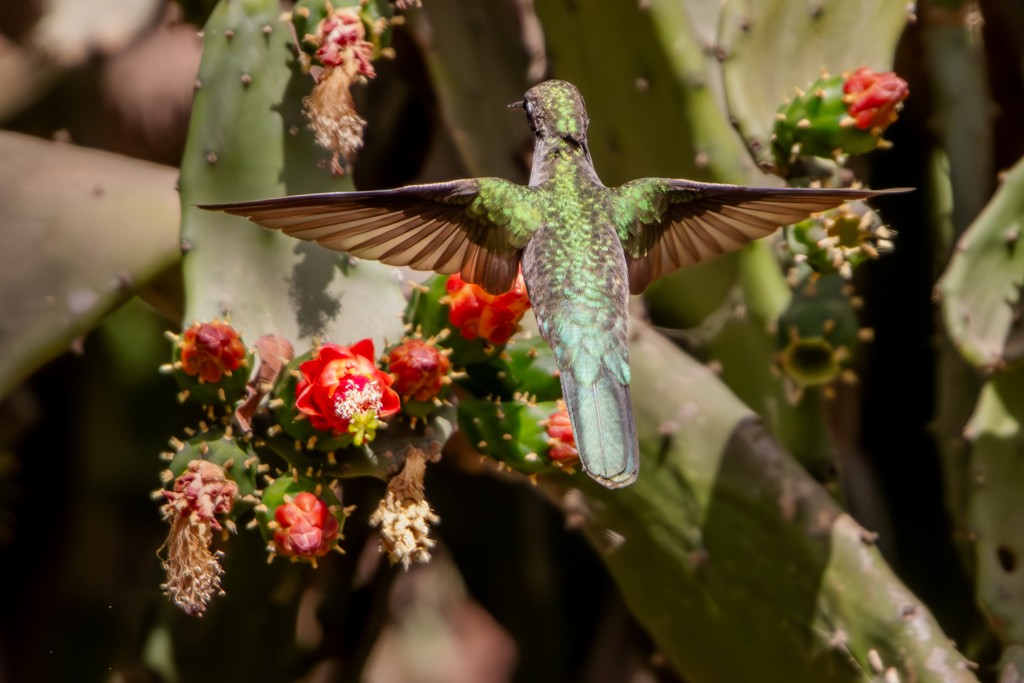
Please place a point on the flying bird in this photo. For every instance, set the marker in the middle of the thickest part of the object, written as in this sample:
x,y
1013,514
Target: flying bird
x,y
583,249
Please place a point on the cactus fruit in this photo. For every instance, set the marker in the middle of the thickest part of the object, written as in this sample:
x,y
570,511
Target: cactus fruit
x,y
837,241
301,518
515,433
837,116
817,333
759,70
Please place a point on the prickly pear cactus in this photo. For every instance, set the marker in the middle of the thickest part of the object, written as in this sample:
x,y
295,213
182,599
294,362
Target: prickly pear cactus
x,y
981,289
249,138
981,304
307,404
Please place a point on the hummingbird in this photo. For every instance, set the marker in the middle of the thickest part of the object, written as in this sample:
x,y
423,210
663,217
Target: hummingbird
x,y
583,249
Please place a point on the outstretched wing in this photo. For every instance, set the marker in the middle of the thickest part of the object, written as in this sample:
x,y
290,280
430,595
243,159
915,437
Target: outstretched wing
x,y
667,224
475,227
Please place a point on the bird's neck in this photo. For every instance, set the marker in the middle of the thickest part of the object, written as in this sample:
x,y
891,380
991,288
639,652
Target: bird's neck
x,y
559,158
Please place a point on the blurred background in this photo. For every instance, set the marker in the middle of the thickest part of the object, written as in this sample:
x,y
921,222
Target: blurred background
x,y
514,592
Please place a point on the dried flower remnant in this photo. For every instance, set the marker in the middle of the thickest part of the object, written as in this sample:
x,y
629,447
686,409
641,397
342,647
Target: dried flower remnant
x,y
404,515
193,571
344,52
492,317
341,390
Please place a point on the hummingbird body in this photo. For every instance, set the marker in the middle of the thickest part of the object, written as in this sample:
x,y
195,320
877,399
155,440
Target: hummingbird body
x,y
583,248
575,272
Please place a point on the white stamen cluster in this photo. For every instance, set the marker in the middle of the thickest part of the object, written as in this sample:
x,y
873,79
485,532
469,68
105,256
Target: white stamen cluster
x,y
353,399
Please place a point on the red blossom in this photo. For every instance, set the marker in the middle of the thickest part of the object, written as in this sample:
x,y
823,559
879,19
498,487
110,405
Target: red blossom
x,y
420,369
305,527
211,350
341,390
493,317
872,99
561,440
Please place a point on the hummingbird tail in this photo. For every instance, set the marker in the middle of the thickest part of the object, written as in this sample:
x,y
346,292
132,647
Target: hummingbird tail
x,y
602,422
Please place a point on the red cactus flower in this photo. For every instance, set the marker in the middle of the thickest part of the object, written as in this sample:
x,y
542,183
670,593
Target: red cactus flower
x,y
211,350
420,369
305,527
493,317
342,391
561,440
873,99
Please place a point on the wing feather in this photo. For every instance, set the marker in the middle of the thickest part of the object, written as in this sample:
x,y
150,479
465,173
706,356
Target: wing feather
x,y
462,226
668,224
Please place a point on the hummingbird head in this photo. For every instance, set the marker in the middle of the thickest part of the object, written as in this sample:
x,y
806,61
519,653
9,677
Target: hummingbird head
x,y
555,110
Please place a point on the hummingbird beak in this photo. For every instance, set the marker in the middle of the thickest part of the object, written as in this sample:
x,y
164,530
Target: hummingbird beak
x,y
518,105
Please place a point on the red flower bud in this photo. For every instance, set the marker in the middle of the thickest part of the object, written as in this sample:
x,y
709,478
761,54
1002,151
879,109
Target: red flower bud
x,y
342,391
872,99
305,527
493,317
211,350
561,440
420,369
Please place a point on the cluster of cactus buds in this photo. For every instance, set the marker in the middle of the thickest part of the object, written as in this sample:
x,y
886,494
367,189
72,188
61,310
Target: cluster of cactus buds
x,y
320,413
837,116
510,409
331,400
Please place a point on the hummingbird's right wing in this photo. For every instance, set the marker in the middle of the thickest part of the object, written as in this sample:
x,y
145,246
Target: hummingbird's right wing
x,y
475,227
667,224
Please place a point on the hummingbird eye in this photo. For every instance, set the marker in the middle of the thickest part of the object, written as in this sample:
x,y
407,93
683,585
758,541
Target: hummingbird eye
x,y
528,106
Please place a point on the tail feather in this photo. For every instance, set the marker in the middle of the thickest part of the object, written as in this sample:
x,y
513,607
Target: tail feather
x,y
602,422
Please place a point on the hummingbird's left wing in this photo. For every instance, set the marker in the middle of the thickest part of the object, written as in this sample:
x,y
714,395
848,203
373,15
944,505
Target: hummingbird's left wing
x,y
666,224
475,227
